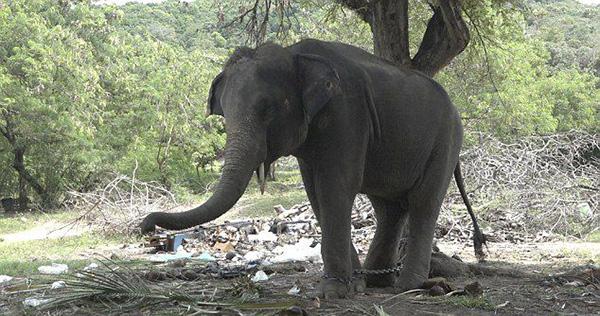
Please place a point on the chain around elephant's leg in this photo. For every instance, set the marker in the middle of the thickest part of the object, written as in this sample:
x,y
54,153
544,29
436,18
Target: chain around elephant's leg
x,y
383,251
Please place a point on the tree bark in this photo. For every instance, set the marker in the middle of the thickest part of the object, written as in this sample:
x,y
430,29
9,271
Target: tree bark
x,y
389,25
446,35
26,177
19,165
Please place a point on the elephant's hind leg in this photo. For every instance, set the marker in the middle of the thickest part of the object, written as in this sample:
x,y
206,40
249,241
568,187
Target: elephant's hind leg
x,y
424,202
383,251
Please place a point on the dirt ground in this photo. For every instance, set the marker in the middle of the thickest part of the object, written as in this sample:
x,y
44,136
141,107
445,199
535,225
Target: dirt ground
x,y
529,283
537,294
545,278
537,288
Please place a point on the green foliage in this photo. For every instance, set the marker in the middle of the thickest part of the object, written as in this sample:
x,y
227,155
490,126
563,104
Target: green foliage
x,y
527,95
569,31
86,90
81,95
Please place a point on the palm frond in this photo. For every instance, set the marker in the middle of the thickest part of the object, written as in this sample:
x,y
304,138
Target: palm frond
x,y
116,285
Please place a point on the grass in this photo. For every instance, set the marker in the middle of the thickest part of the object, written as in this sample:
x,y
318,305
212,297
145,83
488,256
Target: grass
x,y
479,302
285,190
20,258
24,221
593,237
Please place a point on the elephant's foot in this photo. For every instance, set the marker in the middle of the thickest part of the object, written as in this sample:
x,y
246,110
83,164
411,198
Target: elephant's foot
x,y
409,281
332,288
381,280
359,284
335,288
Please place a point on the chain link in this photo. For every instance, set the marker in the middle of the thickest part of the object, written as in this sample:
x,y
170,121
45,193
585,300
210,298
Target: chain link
x,y
379,271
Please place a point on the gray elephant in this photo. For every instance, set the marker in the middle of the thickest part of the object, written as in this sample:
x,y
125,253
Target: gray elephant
x,y
357,124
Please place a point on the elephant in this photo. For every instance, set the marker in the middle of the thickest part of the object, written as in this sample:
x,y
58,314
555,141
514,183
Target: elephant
x,y
356,124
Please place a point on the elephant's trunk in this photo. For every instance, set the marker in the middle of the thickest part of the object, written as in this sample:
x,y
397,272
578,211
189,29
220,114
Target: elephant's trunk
x,y
243,154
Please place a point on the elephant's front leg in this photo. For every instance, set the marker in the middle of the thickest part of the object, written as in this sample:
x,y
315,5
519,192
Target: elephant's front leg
x,y
335,206
336,246
308,176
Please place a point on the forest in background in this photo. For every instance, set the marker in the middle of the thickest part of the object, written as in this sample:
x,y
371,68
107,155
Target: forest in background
x,y
87,91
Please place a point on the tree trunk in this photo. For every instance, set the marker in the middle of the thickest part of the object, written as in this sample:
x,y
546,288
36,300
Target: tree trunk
x,y
446,35
26,177
389,25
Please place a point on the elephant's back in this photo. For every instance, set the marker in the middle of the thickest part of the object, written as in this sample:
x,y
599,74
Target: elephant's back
x,y
347,55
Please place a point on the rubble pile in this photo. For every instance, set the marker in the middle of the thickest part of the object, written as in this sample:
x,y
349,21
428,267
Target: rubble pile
x,y
292,236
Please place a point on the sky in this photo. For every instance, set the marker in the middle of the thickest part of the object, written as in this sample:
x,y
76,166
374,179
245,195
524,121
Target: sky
x,y
120,2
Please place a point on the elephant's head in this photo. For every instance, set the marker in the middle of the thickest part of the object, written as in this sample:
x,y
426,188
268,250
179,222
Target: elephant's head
x,y
268,97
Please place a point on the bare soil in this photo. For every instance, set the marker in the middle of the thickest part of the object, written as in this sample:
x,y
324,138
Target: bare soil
x,y
49,230
525,279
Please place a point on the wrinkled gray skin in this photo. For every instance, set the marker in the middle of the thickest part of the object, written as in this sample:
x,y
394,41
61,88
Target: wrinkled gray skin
x,y
357,124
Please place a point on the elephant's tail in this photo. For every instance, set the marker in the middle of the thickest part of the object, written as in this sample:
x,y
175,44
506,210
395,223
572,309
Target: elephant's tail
x,y
478,237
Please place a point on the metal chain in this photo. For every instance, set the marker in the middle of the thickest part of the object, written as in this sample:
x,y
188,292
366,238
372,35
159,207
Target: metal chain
x,y
379,271
363,272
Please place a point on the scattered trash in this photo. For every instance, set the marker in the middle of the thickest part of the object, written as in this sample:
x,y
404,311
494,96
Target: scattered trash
x,y
166,242
34,302
294,290
502,305
585,209
264,235
90,266
223,246
301,251
55,268
58,285
205,256
164,257
260,276
5,278
252,256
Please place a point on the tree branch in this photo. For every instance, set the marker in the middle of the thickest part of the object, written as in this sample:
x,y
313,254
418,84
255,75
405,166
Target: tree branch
x,y
446,36
360,7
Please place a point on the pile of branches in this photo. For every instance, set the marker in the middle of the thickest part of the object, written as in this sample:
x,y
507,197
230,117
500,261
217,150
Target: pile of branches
x,y
119,204
534,189
538,188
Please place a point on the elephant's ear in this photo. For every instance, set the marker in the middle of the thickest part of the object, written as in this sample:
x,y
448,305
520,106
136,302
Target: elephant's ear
x,y
214,96
319,82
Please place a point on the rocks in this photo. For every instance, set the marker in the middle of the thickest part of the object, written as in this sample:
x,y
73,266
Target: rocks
x,y
474,289
230,255
5,278
55,268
